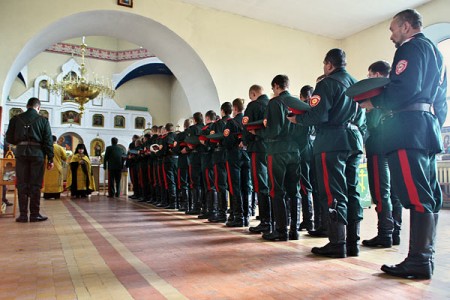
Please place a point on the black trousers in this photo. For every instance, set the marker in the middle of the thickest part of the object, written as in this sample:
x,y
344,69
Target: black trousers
x,y
29,178
114,177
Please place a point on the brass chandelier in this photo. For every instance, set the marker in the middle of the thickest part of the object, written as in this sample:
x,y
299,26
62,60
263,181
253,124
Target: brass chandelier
x,y
80,88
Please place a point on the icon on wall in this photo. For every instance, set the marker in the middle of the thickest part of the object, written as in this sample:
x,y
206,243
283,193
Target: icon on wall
x,y
139,123
119,122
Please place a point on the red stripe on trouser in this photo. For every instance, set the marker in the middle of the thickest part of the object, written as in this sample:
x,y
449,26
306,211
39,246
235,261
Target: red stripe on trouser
x,y
166,185
208,183
326,181
179,179
255,173
191,182
376,183
270,167
409,182
230,185
154,175
303,187
149,174
216,178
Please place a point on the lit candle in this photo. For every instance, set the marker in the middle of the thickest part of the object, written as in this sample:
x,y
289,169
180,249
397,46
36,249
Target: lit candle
x,y
83,39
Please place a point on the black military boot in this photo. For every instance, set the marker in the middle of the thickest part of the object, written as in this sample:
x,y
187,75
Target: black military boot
x,y
336,248
247,207
295,218
237,219
322,226
164,199
184,194
353,237
253,204
265,217
213,208
433,242
417,264
207,205
35,203
307,212
385,229
222,203
397,216
23,208
280,232
196,201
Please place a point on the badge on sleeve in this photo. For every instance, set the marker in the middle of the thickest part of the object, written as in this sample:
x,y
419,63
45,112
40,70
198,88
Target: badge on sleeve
x,y
245,120
401,66
315,99
226,132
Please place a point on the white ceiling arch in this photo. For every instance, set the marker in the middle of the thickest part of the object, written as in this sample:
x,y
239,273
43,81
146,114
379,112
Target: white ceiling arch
x,y
179,56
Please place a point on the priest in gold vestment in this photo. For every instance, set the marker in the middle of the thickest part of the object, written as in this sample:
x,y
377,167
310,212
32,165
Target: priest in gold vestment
x,y
53,179
79,174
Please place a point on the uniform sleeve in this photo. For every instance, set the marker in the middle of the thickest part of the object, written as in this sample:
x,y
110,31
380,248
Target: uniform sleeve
x,y
406,79
47,142
11,130
320,105
440,102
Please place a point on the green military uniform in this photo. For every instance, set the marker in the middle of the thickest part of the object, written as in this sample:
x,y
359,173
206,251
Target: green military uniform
x,y
170,169
388,206
219,160
238,167
183,171
283,162
132,160
195,173
113,161
411,139
32,135
257,149
206,152
337,152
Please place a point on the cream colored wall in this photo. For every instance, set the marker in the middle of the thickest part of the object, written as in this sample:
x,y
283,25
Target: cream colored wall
x,y
149,91
374,43
237,51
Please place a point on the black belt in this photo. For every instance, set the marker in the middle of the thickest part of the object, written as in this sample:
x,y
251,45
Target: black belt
x,y
28,144
415,107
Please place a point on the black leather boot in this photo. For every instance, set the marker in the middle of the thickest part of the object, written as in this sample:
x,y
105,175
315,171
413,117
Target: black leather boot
x,y
164,200
237,219
265,217
397,216
222,203
417,264
385,229
189,205
353,237
321,228
213,209
336,248
196,200
433,242
307,212
23,208
255,200
184,195
35,202
281,219
295,218
207,205
247,207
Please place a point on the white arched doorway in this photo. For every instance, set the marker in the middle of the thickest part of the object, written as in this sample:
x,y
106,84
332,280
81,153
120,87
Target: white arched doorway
x,y
179,57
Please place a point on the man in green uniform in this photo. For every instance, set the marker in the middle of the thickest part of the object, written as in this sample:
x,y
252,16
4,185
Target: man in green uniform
x,y
170,160
113,161
412,137
32,135
238,167
283,162
388,206
180,148
337,153
220,170
257,149
195,167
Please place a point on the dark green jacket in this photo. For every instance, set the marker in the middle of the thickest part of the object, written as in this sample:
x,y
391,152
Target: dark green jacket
x,y
113,158
38,132
418,76
279,131
255,111
338,120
